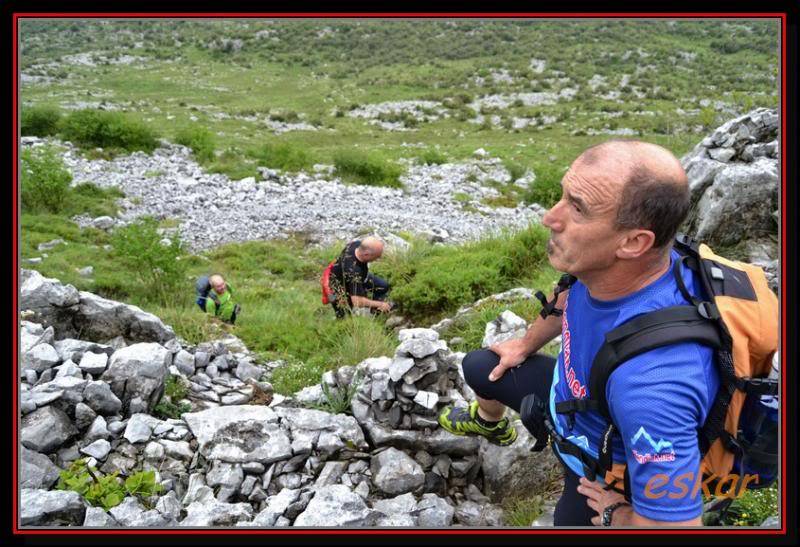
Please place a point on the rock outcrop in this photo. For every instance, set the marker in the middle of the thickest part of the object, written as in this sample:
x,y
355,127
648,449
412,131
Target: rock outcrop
x,y
734,179
238,457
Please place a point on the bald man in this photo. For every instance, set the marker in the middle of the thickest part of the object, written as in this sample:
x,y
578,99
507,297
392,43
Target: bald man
x,y
352,283
621,205
219,300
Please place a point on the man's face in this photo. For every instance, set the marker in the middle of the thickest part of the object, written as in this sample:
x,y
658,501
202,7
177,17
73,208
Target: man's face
x,y
583,238
372,255
219,286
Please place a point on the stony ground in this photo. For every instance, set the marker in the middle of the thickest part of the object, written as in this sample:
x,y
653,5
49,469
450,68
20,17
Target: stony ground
x,y
212,209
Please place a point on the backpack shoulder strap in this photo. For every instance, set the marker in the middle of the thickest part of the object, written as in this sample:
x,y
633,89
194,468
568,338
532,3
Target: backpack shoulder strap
x,y
649,331
549,308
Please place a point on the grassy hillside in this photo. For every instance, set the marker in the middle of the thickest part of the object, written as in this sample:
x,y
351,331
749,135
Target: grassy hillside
x,y
666,81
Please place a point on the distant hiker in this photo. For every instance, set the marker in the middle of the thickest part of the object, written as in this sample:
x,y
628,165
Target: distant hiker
x,y
347,283
634,406
215,296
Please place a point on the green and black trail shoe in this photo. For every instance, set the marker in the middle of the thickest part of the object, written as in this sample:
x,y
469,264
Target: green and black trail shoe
x,y
462,421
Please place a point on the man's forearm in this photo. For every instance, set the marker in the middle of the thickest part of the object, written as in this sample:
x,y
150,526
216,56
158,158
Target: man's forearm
x,y
364,302
543,330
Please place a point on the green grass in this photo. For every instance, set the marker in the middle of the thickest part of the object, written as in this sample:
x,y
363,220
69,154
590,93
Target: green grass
x,y
114,130
40,121
368,169
471,327
278,288
432,280
285,156
522,512
200,140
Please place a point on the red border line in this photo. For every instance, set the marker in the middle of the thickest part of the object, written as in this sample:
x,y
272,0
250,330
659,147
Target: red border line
x,y
305,531
16,274
783,284
301,15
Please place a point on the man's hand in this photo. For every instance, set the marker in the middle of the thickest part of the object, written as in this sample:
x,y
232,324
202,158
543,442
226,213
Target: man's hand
x,y
598,498
512,353
384,307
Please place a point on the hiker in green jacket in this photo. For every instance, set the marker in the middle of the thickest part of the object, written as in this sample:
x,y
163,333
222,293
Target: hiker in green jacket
x,y
223,305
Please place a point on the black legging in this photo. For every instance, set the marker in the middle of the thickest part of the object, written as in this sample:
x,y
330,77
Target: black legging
x,y
534,375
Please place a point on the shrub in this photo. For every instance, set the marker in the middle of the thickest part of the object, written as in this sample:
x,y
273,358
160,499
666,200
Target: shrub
x,y
431,156
363,168
200,140
157,267
430,281
283,156
516,170
39,121
93,200
97,128
44,181
546,189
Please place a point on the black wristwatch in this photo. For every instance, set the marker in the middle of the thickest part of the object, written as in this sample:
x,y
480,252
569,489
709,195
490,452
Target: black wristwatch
x,y
608,512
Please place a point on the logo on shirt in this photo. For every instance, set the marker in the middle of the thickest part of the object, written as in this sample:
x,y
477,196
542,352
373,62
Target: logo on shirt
x,y
651,450
578,390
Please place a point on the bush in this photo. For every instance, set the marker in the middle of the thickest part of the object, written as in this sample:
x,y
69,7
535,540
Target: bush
x,y
431,156
156,267
44,181
39,121
200,140
362,168
516,170
430,281
97,128
232,164
546,189
283,156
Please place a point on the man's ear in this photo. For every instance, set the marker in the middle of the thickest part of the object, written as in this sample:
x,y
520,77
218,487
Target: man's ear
x,y
635,243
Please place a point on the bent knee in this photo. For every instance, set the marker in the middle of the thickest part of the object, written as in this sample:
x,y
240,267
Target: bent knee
x,y
476,366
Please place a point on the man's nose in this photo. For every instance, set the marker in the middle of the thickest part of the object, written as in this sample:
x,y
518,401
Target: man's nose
x,y
551,218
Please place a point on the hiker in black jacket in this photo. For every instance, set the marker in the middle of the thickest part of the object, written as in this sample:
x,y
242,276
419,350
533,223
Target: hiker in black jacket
x,y
351,282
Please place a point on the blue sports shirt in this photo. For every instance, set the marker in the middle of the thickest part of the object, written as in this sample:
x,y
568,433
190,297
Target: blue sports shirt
x,y
657,399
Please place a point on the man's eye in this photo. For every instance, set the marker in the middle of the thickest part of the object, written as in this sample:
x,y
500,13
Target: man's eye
x,y
576,207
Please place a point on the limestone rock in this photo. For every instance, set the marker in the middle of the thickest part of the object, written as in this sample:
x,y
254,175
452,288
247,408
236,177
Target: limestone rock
x,y
138,371
46,429
238,434
394,472
336,505
50,508
36,471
